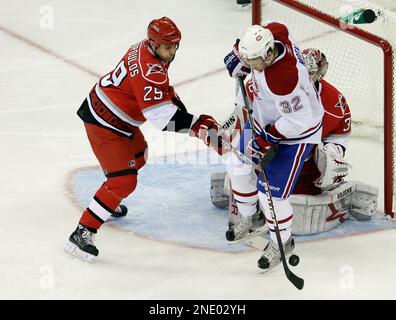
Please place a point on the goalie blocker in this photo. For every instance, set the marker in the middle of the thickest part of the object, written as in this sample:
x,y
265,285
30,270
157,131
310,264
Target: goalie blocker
x,y
312,213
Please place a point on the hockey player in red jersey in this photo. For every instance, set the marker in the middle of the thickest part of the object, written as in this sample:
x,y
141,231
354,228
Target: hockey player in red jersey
x,y
335,133
135,91
322,199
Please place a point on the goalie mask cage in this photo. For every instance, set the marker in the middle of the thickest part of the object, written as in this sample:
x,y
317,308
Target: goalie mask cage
x,y
360,66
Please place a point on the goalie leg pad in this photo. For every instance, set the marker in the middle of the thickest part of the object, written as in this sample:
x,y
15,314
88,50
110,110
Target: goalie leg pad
x,y
218,197
364,201
324,212
321,213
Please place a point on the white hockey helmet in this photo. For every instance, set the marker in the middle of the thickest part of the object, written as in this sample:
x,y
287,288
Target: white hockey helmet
x,y
256,42
316,63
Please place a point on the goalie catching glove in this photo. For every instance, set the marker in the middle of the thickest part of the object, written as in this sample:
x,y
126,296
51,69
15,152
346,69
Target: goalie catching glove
x,y
331,164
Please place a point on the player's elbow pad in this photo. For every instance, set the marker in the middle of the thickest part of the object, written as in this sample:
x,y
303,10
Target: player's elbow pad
x,y
180,122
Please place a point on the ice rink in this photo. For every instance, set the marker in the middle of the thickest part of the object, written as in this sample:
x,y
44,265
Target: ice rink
x,y
52,53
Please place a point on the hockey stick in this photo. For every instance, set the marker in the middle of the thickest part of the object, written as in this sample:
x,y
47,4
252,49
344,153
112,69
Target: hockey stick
x,y
294,279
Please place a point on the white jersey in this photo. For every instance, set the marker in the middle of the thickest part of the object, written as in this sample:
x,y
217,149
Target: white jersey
x,y
285,101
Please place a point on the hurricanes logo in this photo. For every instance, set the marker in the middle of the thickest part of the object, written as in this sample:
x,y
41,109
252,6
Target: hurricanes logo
x,y
154,68
335,214
341,103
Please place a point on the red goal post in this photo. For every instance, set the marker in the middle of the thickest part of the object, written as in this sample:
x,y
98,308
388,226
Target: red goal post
x,y
306,9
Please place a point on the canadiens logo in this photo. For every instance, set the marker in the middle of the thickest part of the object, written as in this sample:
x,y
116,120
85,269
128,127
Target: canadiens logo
x,y
154,68
342,104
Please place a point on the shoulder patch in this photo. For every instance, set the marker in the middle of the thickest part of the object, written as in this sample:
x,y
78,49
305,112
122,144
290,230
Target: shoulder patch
x,y
333,100
152,69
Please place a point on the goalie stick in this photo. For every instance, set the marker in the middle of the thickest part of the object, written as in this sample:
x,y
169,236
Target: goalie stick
x,y
294,279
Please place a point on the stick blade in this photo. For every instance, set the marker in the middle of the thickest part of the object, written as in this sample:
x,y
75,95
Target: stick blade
x,y
295,280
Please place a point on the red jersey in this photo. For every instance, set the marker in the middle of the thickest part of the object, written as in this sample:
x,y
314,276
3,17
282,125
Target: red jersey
x,y
135,91
337,116
336,129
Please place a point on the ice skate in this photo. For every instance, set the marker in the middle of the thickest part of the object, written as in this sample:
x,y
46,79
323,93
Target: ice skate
x,y
120,211
271,256
247,228
243,4
81,244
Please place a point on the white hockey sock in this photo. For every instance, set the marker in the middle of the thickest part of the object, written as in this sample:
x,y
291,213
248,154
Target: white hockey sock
x,y
284,216
243,185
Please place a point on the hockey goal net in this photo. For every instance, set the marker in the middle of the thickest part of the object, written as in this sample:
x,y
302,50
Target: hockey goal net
x,y
361,67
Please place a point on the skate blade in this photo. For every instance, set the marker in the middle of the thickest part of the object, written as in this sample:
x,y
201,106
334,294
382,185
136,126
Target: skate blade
x,y
275,265
244,7
72,249
255,233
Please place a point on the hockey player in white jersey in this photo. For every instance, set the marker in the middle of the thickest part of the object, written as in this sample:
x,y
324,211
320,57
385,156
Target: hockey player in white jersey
x,y
287,113
322,199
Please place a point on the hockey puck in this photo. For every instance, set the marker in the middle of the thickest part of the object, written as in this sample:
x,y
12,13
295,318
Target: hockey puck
x,y
294,260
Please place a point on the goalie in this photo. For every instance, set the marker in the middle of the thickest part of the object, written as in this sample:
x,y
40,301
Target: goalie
x,y
321,199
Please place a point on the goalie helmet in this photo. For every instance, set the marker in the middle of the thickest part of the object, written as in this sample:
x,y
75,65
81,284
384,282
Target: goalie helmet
x,y
255,43
316,63
163,31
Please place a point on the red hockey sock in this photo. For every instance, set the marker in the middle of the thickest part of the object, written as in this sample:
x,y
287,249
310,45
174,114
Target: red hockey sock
x,y
106,200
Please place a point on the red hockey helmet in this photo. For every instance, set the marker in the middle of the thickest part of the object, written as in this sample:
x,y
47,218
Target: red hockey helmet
x,y
163,31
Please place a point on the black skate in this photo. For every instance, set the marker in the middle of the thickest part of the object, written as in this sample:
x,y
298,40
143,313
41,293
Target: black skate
x,y
81,244
244,2
247,228
120,211
271,256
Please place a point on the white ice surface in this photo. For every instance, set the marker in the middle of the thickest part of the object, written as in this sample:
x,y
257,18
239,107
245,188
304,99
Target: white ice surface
x,y
43,143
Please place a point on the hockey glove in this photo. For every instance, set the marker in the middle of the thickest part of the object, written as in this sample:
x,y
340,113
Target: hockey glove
x,y
235,64
331,164
258,147
207,129
266,137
